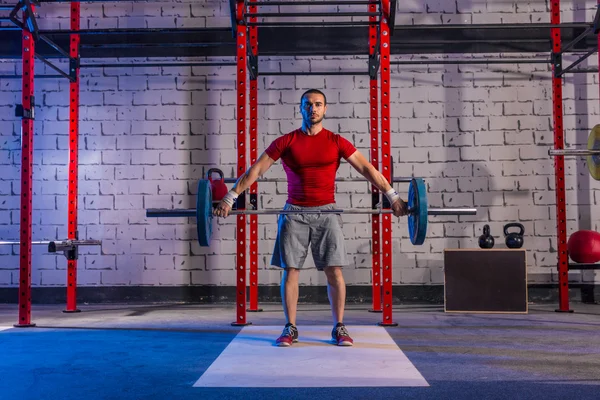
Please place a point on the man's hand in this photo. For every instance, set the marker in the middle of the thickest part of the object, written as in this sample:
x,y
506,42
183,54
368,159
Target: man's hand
x,y
222,210
400,208
225,205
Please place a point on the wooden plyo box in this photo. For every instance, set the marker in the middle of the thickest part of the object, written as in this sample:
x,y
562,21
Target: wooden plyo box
x,y
485,280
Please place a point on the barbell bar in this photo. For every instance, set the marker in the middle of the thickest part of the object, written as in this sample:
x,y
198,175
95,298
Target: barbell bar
x,y
168,213
48,242
417,216
592,152
573,152
284,180
69,247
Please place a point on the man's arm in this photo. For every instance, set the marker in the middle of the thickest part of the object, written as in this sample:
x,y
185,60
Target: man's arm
x,y
244,182
253,173
366,169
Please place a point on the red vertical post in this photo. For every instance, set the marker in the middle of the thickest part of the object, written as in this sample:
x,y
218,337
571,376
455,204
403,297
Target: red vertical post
x,y
73,155
559,162
28,48
375,221
240,265
386,245
253,32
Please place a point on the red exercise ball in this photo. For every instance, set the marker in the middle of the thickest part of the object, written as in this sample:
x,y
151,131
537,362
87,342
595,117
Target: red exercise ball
x,y
584,246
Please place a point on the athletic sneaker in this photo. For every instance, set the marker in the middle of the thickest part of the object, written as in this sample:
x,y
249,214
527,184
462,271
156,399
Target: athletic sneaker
x,y
288,336
340,335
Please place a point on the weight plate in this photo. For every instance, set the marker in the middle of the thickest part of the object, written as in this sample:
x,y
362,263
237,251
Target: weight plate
x,y
417,203
593,162
204,213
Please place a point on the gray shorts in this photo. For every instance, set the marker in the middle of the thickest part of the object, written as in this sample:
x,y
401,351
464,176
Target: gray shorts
x,y
322,231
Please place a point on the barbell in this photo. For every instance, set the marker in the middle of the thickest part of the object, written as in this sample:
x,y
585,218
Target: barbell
x,y
69,247
417,212
592,152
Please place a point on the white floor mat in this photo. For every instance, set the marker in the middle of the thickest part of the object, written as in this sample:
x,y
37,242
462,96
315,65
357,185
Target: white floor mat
x,y
252,360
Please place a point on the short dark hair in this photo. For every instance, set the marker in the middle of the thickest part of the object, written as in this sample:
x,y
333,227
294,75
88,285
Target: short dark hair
x,y
314,91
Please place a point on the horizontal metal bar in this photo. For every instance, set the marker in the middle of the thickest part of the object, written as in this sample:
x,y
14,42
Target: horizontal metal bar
x,y
584,71
573,152
312,3
36,77
118,31
323,23
92,1
567,25
166,213
575,267
469,41
283,180
47,242
328,73
166,64
454,62
151,45
312,14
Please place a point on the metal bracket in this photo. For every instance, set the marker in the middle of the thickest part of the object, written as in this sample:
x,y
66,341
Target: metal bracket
x,y
30,21
393,7
26,113
253,201
252,64
74,65
375,200
556,60
240,203
374,60
68,249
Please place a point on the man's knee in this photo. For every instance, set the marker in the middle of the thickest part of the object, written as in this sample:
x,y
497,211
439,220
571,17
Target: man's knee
x,y
291,274
334,275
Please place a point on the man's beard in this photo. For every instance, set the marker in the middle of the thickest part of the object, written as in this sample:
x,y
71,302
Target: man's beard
x,y
310,121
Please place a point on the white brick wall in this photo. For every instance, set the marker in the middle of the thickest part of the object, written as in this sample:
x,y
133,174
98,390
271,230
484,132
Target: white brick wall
x,y
478,134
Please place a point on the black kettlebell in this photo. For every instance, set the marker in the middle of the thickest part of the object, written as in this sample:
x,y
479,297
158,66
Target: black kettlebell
x,y
514,240
486,241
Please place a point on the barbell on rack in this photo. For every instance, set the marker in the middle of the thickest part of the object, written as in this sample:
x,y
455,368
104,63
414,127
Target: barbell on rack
x,y
417,216
68,247
592,152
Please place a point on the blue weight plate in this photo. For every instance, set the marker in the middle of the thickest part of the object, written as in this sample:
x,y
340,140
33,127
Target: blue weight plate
x,y
417,202
593,162
204,213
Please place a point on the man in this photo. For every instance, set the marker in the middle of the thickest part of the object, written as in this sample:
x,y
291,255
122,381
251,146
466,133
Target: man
x,y
310,157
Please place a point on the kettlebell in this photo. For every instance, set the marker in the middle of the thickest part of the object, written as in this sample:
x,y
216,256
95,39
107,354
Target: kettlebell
x,y
486,241
514,240
218,186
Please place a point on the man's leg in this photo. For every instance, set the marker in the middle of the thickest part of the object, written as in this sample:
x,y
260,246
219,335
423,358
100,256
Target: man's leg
x,y
289,293
336,290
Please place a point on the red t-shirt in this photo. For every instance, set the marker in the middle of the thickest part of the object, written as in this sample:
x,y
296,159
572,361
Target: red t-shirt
x,y
310,163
